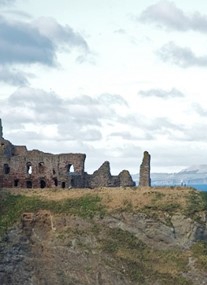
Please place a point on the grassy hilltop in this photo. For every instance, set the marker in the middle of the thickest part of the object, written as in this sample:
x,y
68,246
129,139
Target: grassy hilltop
x,y
103,236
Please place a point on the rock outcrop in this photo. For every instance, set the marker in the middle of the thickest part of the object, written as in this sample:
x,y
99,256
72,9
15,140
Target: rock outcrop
x,y
45,249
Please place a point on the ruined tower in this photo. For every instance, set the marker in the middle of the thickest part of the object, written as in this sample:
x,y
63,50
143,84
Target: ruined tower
x,y
144,174
1,130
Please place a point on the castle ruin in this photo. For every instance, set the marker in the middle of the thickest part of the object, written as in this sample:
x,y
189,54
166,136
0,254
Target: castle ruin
x,y
24,168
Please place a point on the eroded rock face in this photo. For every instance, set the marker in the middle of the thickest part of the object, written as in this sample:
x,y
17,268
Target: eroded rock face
x,y
55,250
45,249
144,175
181,232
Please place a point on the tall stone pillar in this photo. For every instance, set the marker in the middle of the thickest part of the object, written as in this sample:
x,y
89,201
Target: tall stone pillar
x,y
144,174
1,130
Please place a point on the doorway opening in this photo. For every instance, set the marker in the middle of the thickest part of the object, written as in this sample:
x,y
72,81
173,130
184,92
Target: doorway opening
x,y
42,183
29,184
16,182
55,181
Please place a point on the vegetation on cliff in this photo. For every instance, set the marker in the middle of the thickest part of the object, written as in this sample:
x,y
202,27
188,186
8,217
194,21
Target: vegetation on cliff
x,y
103,236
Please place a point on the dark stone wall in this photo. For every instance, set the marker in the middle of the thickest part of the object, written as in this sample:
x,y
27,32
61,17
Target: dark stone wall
x,y
1,130
102,177
144,176
125,179
36,169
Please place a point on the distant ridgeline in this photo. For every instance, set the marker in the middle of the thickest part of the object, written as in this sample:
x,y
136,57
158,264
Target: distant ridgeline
x,y
24,168
191,176
195,176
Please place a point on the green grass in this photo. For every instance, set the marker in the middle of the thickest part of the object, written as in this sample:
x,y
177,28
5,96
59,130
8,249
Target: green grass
x,y
13,206
140,263
199,250
196,203
143,264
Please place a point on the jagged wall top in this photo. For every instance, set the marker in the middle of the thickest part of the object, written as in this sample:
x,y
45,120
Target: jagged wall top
x,y
36,169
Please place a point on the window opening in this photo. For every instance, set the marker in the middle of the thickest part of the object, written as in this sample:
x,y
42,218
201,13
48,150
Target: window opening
x,y
29,168
6,168
70,168
41,167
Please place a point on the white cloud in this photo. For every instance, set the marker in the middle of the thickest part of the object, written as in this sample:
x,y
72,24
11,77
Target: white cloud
x,y
36,42
166,14
6,2
181,56
127,102
13,76
78,118
160,93
51,29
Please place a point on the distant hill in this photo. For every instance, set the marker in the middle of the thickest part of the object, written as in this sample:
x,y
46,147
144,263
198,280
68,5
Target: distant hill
x,y
195,174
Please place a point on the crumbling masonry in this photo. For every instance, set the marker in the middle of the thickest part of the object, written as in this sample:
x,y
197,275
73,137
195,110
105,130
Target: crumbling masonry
x,y
36,169
144,175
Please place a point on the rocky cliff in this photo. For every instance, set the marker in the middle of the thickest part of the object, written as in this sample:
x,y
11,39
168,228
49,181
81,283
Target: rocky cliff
x,y
120,236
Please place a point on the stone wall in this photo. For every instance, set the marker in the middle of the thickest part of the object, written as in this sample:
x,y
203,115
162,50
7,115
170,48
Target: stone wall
x,y
24,168
103,178
36,169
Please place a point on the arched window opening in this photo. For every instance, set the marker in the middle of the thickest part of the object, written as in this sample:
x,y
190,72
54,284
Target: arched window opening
x,y
55,181
6,168
29,184
41,167
42,183
63,185
29,168
16,182
70,168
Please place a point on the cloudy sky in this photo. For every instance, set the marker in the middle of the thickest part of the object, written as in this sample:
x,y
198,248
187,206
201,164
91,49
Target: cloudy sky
x,y
109,78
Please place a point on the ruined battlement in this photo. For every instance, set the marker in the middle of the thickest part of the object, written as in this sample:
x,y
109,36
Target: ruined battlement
x,y
24,168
